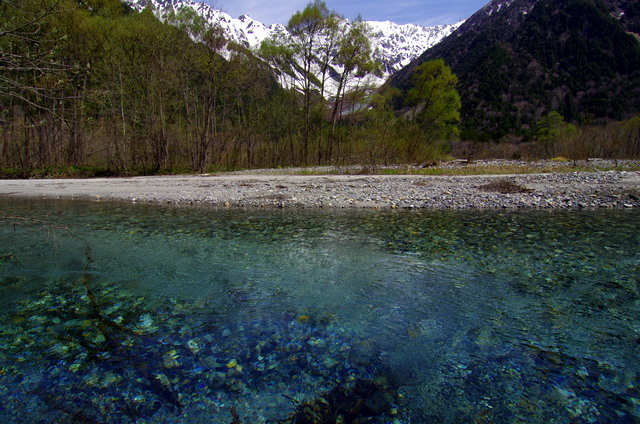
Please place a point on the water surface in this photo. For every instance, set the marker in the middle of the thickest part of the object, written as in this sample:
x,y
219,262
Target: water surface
x,y
162,314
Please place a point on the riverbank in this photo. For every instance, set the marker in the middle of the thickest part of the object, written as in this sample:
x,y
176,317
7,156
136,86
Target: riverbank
x,y
602,189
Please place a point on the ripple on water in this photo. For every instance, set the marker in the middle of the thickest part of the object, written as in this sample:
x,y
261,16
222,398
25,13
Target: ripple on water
x,y
197,315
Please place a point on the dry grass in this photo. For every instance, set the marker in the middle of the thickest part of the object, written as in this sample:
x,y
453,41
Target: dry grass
x,y
509,169
452,169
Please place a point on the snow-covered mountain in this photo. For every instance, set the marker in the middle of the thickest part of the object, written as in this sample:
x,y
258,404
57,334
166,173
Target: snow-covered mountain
x,y
394,45
397,45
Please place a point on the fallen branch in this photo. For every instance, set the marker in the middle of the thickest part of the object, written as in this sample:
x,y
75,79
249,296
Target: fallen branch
x,y
35,224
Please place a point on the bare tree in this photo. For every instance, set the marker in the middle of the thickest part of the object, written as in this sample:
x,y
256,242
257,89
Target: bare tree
x,y
27,54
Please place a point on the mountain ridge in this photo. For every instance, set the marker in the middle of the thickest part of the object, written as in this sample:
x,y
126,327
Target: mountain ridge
x,y
517,60
394,45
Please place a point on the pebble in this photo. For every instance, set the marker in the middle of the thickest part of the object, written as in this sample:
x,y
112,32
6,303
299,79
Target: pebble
x,y
275,189
608,189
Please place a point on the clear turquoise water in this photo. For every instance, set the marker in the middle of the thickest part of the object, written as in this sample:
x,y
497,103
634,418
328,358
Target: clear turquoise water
x,y
161,314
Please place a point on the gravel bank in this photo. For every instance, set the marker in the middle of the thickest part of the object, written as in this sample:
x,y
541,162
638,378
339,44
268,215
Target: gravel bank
x,y
608,189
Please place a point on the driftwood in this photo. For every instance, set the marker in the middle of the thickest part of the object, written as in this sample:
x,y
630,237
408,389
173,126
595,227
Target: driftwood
x,y
504,187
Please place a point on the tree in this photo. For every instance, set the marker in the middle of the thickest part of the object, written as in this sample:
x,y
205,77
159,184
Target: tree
x,y
308,28
279,54
321,58
631,138
34,81
552,128
620,140
26,57
383,125
354,56
434,101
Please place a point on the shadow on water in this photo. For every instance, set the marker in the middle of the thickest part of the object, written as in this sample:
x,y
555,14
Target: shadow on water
x,y
157,314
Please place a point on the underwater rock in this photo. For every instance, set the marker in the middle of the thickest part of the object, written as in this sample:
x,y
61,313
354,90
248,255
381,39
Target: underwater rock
x,y
362,353
361,401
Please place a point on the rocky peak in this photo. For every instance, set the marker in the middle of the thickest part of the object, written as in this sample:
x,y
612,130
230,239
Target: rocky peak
x,y
394,45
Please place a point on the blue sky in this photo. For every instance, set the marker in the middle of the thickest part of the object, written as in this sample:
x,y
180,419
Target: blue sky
x,y
423,12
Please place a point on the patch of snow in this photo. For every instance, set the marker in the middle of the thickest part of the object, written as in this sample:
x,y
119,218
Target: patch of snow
x,y
394,45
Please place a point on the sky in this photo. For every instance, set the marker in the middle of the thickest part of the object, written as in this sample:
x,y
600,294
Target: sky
x,y
422,12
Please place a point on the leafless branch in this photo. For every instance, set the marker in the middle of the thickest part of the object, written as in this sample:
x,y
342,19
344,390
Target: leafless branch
x,y
17,31
35,224
39,66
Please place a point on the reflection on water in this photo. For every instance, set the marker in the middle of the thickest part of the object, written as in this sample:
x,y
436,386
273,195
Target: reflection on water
x,y
154,314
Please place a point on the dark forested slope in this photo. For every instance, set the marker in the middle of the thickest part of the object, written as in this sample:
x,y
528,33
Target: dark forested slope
x,y
517,60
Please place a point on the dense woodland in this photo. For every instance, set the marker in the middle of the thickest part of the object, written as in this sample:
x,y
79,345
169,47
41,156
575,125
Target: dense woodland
x,y
95,84
91,87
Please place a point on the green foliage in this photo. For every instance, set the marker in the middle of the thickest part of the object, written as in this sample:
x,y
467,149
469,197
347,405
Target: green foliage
x,y
320,42
307,28
383,127
126,93
629,137
553,130
435,101
105,8
279,55
390,138
92,88
135,94
552,127
310,23
354,49
13,173
563,142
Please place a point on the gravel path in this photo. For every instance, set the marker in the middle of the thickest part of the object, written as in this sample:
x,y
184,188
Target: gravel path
x,y
609,189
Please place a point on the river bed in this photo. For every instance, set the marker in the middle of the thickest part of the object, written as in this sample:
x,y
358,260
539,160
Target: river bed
x,y
118,313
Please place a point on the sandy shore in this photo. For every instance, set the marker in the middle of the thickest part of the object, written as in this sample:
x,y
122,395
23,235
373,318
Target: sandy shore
x,y
610,189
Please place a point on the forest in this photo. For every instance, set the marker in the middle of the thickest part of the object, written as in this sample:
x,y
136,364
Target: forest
x,y
93,88
578,58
